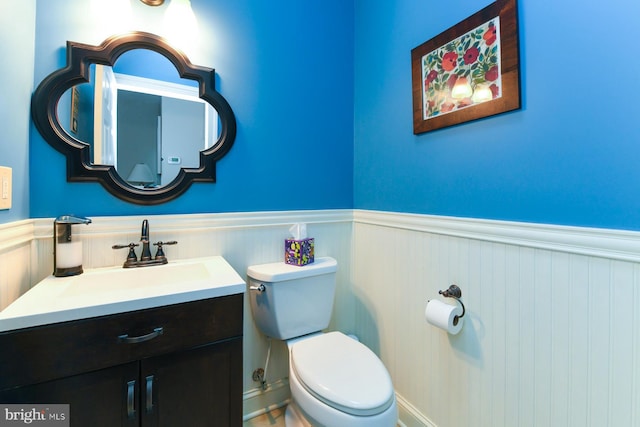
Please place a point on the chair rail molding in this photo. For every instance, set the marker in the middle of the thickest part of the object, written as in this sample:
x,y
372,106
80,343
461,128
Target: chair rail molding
x,y
607,243
15,234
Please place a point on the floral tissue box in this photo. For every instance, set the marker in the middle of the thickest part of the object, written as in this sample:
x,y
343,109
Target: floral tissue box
x,y
298,252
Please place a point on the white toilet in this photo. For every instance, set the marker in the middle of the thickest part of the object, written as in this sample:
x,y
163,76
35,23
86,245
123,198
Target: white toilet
x,y
335,380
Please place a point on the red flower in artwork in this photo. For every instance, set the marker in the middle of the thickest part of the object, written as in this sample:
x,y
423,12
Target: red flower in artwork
x,y
471,55
490,35
432,76
447,106
495,91
464,103
449,61
452,81
492,74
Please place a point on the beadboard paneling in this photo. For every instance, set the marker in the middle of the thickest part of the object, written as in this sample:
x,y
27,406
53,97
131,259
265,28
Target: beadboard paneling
x,y
552,334
551,331
15,260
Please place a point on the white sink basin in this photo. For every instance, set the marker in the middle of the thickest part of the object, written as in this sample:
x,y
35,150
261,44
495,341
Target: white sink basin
x,y
104,291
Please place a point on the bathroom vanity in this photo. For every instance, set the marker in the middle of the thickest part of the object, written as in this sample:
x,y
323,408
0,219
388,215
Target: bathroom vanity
x,y
170,355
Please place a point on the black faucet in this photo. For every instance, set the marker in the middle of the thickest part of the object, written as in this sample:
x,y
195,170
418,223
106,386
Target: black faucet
x,y
144,239
145,255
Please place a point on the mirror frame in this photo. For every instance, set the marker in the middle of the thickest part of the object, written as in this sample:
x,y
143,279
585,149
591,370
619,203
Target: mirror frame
x,y
79,166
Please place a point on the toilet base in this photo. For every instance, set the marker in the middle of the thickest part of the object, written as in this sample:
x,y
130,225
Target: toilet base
x,y
294,418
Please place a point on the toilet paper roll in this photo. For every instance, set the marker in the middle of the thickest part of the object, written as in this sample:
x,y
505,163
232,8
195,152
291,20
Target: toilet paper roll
x,y
444,316
69,255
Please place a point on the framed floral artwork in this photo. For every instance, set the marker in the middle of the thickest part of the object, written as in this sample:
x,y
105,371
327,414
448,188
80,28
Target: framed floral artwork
x,y
469,71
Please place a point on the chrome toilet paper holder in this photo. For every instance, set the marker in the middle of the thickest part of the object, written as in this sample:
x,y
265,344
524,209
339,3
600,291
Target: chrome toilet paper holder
x,y
456,293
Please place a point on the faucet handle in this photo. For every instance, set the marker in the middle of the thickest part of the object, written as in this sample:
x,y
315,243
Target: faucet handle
x,y
160,253
131,256
130,246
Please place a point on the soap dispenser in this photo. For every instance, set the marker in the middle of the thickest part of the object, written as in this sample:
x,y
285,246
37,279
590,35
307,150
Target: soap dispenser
x,y
67,253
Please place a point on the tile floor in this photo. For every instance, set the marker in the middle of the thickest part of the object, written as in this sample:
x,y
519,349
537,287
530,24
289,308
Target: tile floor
x,y
274,418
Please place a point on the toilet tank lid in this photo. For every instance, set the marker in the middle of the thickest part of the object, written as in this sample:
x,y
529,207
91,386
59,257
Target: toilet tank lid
x,y
279,271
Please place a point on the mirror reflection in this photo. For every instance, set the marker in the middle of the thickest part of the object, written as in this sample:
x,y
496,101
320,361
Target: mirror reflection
x,y
140,117
72,119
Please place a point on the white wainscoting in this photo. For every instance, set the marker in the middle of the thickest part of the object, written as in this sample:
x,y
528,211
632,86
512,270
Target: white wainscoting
x,y
551,338
16,245
242,238
552,331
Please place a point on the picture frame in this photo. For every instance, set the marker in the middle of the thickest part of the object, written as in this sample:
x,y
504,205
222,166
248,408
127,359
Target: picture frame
x,y
469,71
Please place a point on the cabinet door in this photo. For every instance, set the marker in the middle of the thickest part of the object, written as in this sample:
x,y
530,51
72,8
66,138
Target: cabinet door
x,y
199,387
102,398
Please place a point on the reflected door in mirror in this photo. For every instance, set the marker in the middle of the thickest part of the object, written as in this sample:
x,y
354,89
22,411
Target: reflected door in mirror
x,y
132,119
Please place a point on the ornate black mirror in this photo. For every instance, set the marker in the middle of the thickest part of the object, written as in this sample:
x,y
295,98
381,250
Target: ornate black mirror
x,y
88,94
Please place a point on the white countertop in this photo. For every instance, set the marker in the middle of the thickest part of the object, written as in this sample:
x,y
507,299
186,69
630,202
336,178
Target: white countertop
x,y
112,290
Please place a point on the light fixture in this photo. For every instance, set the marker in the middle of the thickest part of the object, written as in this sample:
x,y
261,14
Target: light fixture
x,y
181,13
153,2
180,24
141,175
111,16
461,89
482,94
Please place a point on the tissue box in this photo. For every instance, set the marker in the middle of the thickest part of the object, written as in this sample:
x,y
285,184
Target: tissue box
x,y
298,252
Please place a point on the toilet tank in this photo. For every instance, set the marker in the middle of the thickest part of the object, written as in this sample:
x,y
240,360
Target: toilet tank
x,y
288,301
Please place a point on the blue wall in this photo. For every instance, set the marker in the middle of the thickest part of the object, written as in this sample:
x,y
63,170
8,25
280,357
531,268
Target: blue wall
x,y
305,107
17,21
570,156
286,69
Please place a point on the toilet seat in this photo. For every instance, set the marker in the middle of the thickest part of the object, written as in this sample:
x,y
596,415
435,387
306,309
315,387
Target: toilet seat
x,y
342,373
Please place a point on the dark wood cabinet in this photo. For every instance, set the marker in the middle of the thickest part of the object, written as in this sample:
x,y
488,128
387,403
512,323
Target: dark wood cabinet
x,y
167,366
193,388
95,398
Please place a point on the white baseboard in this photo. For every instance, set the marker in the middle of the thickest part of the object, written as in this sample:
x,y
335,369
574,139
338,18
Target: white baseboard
x,y
409,416
257,401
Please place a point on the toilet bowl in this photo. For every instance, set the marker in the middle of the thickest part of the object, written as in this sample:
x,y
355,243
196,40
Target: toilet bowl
x,y
335,381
